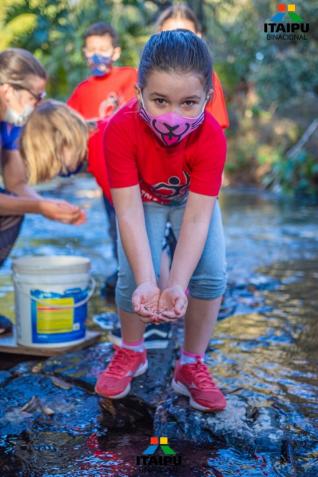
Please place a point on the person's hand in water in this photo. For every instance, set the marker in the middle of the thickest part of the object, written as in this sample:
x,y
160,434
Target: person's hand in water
x,y
173,304
82,218
62,211
145,301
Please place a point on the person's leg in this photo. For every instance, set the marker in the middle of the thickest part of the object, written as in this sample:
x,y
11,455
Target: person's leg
x,y
130,358
200,321
132,328
131,324
10,227
207,286
9,231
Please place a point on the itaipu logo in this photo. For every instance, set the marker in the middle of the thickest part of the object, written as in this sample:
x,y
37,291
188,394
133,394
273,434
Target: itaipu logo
x,y
286,24
159,453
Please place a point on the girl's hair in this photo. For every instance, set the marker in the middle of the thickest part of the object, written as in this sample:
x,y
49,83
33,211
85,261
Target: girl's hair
x,y
18,66
180,11
51,128
176,51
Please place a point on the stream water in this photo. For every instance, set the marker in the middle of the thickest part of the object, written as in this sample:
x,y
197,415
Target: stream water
x,y
266,350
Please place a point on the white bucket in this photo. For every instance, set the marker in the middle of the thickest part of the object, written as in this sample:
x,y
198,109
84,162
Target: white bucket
x,y
51,296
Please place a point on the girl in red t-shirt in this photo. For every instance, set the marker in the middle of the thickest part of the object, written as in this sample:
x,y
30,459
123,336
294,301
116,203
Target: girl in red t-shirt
x,y
181,16
172,18
165,156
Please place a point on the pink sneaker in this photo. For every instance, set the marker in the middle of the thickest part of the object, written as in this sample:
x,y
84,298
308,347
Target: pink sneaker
x,y
114,381
195,381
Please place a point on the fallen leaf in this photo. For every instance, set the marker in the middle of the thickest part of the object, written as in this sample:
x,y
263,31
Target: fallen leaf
x,y
48,411
35,404
32,405
60,383
37,368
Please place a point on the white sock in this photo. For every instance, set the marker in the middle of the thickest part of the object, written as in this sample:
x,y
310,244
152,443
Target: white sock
x,y
189,358
138,346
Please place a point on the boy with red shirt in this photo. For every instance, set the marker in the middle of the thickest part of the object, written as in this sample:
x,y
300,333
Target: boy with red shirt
x,y
109,86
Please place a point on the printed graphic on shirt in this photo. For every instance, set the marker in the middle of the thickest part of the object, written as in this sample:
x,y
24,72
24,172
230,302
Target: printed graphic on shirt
x,y
174,191
110,105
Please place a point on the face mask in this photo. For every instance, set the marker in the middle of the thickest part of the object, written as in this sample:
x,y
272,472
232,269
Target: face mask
x,y
171,128
97,64
68,173
18,119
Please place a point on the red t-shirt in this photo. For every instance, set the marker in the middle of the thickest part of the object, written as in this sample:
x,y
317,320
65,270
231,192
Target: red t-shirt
x,y
99,96
216,106
135,155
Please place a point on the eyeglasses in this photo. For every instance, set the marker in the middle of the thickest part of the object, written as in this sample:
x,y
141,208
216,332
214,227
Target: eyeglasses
x,y
37,96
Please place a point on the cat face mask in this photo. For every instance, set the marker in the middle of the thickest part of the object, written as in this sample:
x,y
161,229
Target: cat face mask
x,y
171,128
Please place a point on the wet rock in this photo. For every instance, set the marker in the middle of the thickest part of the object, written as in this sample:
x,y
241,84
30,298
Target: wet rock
x,y
4,377
25,367
83,367
128,413
80,367
33,402
240,425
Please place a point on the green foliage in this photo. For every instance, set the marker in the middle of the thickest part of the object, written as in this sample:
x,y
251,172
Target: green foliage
x,y
55,33
266,83
297,175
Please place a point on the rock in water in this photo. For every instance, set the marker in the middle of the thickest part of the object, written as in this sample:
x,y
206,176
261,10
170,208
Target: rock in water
x,y
239,425
83,367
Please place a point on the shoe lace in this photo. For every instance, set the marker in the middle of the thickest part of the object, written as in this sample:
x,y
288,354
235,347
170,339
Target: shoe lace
x,y
120,361
202,375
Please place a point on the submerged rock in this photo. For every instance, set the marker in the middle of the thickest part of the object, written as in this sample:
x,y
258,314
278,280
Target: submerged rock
x,y
247,296
4,377
239,425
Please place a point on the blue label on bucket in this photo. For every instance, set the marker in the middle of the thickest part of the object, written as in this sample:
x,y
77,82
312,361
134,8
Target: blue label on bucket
x,y
55,317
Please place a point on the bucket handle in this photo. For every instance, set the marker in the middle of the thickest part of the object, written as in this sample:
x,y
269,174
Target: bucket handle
x,y
92,287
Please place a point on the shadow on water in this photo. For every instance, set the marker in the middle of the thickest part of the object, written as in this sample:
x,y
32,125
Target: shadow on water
x,y
266,351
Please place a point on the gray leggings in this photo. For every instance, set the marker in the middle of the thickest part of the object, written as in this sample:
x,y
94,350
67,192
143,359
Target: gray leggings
x,y
10,226
209,278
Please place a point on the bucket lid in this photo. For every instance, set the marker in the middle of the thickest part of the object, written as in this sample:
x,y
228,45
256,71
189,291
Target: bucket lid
x,y
53,264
